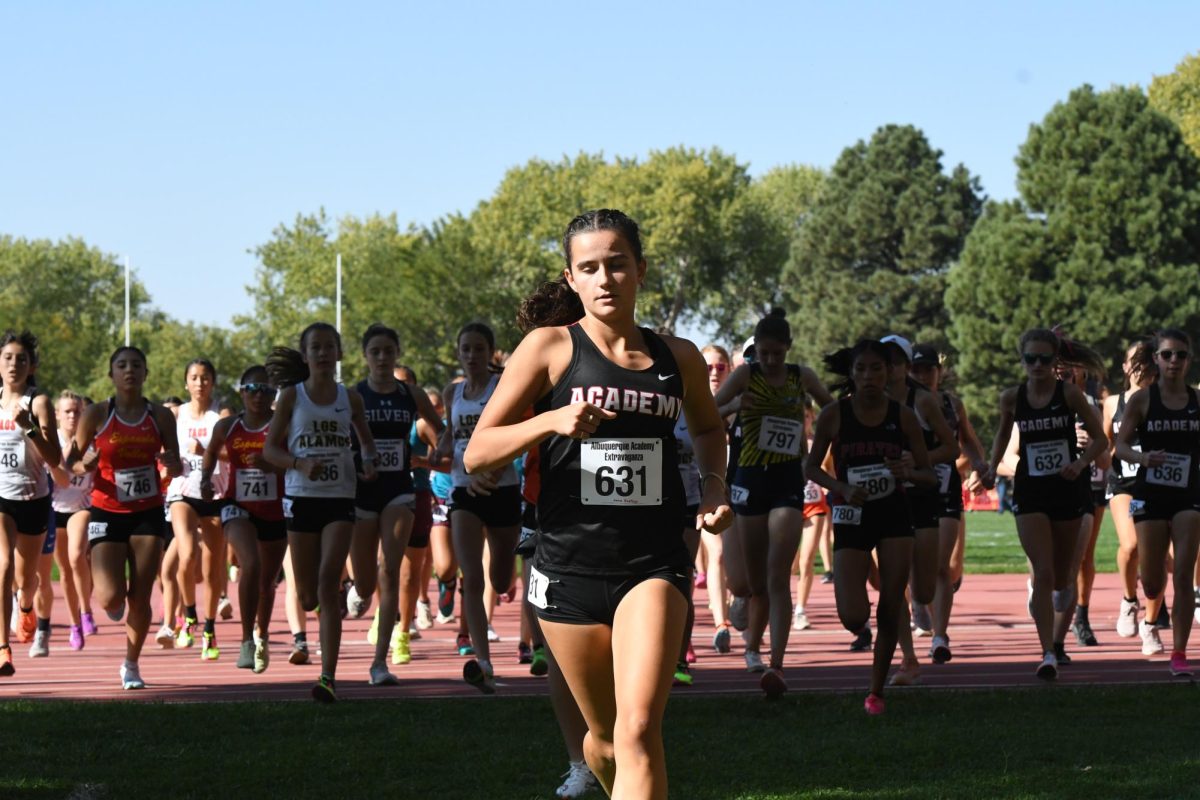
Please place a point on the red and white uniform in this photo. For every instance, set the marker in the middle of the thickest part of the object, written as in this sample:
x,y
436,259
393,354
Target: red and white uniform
x,y
127,472
254,489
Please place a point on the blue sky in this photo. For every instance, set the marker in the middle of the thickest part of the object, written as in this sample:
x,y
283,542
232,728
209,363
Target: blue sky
x,y
181,134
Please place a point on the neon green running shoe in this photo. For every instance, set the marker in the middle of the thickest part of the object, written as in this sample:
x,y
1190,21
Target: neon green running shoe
x,y
539,666
322,690
186,638
401,654
262,656
683,675
373,631
210,652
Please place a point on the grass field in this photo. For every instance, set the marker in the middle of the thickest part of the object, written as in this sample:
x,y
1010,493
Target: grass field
x,y
992,544
1041,742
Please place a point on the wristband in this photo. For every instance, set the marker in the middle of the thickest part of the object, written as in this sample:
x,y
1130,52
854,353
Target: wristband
x,y
33,432
708,475
372,457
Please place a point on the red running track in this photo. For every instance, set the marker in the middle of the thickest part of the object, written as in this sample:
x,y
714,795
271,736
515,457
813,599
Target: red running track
x,y
993,641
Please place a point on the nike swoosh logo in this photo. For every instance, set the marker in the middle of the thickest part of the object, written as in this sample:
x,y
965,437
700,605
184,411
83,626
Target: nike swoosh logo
x,y
1055,408
664,377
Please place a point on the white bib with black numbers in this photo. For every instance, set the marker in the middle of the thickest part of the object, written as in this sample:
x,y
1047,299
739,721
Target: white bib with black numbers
x,y
780,435
538,583
1174,472
136,483
1047,458
847,515
1129,469
256,485
812,493
620,472
876,479
390,455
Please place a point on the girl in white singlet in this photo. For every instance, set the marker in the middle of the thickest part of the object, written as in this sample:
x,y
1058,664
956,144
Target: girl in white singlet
x,y
310,438
71,501
195,520
28,445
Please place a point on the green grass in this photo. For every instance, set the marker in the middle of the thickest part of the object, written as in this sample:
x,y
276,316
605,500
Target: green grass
x,y
992,544
1042,742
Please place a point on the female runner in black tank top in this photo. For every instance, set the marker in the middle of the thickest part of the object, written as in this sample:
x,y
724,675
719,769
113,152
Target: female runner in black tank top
x,y
867,435
1073,617
1047,501
384,508
1140,371
927,370
1166,497
611,570
925,504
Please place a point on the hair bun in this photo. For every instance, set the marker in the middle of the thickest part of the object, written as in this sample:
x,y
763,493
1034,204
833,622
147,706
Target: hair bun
x,y
778,312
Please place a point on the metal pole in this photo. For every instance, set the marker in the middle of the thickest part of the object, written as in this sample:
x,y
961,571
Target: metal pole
x,y
338,322
127,301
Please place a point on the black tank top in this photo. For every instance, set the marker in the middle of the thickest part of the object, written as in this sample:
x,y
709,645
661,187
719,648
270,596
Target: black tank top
x,y
1176,432
390,417
920,493
611,505
1047,442
949,481
858,458
1123,477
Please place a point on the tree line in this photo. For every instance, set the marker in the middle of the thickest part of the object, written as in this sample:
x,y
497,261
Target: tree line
x,y
1103,239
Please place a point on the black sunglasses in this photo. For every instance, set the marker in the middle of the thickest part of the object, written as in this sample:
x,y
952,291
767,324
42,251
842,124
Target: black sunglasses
x,y
1034,358
258,388
1172,355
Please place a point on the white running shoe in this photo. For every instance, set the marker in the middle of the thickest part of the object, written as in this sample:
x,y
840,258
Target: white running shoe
x,y
41,644
424,615
225,609
800,620
1151,643
922,622
939,650
1127,620
579,781
445,619
381,677
1048,669
356,604
233,573
754,662
165,637
130,677
492,635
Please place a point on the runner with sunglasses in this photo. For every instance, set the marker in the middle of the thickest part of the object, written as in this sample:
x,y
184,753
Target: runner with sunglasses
x,y
253,517
1166,497
1048,503
925,503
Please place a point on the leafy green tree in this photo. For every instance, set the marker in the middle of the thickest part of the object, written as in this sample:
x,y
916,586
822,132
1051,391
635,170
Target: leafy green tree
x,y
1177,94
1104,241
873,254
72,296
